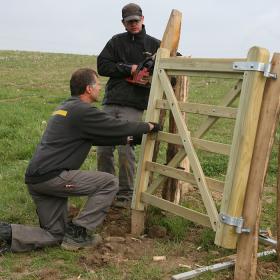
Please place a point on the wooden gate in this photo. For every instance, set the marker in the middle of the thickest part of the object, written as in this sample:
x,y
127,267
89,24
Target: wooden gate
x,y
250,80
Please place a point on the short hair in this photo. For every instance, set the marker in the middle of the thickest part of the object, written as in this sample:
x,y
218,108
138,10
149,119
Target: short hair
x,y
81,79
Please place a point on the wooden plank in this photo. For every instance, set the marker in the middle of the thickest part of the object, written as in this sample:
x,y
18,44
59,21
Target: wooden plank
x,y
202,109
219,65
173,189
227,100
187,143
174,162
246,263
147,148
181,211
209,146
205,75
242,148
182,175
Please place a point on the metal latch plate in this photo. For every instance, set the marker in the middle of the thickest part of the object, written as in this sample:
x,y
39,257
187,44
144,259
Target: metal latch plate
x,y
255,66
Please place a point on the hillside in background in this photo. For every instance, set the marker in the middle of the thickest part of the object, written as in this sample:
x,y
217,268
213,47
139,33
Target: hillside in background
x,y
32,84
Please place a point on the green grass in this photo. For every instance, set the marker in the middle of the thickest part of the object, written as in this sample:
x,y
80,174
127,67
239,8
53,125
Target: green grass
x,y
31,85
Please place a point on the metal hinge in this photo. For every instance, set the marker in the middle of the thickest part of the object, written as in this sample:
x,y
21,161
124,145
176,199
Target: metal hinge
x,y
234,221
255,66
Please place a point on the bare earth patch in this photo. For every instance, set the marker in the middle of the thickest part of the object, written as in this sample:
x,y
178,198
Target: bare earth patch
x,y
123,249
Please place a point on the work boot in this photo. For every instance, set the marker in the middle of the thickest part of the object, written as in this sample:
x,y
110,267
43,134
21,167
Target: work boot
x,y
76,237
123,199
5,232
5,238
4,247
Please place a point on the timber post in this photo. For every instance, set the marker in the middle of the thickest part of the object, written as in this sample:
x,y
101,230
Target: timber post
x,y
170,43
246,261
242,149
147,148
278,207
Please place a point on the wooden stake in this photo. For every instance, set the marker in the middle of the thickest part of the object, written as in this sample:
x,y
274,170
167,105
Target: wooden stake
x,y
170,41
171,36
137,222
278,207
147,148
246,263
242,148
169,45
172,189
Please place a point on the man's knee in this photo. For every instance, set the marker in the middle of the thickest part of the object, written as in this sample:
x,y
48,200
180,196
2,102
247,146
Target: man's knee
x,y
115,184
112,182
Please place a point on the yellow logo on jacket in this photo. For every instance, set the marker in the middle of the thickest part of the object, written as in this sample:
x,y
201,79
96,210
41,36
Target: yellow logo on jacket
x,y
60,113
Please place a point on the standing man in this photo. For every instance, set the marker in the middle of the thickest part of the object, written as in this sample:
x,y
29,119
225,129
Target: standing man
x,y
123,100
52,175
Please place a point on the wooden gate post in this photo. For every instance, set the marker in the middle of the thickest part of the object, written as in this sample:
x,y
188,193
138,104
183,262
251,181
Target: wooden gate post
x,y
169,44
147,148
242,148
278,207
246,262
170,41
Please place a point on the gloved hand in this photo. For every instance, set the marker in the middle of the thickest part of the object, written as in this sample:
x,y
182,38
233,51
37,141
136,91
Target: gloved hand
x,y
157,127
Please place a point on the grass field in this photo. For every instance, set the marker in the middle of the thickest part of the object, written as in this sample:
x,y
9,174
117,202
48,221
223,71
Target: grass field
x,y
31,86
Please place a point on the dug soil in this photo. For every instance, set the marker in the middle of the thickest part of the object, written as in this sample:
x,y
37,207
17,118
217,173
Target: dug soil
x,y
123,250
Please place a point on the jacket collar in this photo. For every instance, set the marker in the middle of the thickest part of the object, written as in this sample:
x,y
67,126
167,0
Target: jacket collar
x,y
139,36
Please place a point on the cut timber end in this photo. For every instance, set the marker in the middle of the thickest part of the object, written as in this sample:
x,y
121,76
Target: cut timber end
x,y
171,36
137,222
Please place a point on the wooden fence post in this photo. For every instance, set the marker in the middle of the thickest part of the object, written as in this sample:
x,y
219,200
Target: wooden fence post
x,y
169,44
147,148
170,41
246,262
242,148
278,207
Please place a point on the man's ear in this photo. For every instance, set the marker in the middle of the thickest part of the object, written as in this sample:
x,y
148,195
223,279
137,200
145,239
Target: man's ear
x,y
87,89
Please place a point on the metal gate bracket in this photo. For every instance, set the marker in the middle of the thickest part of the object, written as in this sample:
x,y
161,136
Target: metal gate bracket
x,y
255,66
234,221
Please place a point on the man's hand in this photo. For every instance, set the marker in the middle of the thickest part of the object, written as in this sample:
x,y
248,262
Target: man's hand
x,y
133,69
154,127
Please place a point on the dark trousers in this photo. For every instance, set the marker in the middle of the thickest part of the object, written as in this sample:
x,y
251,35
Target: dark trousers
x,y
105,154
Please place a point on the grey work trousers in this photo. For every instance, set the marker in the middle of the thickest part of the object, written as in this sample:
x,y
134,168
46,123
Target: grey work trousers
x,y
51,198
105,154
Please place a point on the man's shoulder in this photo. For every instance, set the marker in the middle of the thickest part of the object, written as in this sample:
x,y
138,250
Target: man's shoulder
x,y
149,37
119,36
74,106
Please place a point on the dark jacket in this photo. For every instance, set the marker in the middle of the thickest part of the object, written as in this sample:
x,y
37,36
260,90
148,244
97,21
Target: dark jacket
x,y
125,49
74,127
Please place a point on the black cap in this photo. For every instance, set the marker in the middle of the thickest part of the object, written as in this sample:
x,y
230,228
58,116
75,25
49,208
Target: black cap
x,y
131,11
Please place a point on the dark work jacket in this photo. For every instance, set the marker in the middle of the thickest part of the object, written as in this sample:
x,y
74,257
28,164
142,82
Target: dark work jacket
x,y
71,131
125,49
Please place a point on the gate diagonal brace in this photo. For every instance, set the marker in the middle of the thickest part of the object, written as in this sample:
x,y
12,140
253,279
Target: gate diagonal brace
x,y
255,66
234,221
